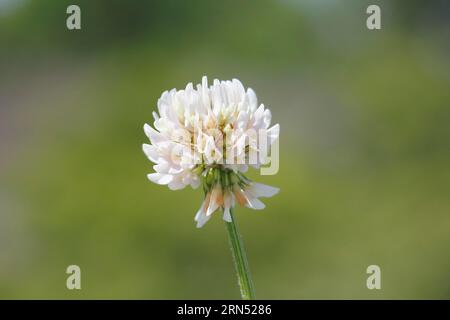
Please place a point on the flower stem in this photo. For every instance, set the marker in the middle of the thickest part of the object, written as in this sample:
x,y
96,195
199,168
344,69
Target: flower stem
x,y
240,260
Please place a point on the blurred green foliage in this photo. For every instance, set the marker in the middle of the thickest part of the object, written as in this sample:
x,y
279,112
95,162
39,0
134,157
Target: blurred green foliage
x,y
364,172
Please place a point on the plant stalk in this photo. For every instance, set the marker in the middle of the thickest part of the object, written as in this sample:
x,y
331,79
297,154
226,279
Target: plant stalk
x,y
240,260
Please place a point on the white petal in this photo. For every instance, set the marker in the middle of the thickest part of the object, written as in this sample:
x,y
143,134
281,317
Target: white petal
x,y
262,190
255,203
162,167
259,113
267,117
176,185
151,152
201,217
160,178
227,215
253,101
273,133
154,136
228,200
195,183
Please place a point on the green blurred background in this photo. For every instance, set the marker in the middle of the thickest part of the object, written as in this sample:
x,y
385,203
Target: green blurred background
x,y
364,169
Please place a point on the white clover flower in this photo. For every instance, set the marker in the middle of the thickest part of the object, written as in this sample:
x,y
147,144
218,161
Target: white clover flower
x,y
209,136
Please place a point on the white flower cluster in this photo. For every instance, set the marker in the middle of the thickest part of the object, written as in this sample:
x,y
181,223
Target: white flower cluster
x,y
211,135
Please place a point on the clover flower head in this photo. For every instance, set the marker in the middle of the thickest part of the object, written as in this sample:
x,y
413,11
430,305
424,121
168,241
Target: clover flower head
x,y
208,136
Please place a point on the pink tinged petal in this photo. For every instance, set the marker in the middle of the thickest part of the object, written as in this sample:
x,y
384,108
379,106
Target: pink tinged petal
x,y
239,195
215,201
160,178
262,190
213,206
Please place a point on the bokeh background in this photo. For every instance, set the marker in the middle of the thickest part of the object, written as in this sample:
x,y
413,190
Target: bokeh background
x,y
365,156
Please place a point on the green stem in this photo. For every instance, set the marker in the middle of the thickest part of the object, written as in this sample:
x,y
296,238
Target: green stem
x,y
240,260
